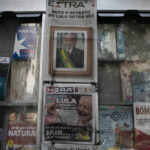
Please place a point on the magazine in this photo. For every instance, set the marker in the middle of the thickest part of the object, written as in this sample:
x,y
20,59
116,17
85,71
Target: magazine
x,y
137,49
126,69
26,41
107,41
142,125
120,42
141,86
4,69
21,133
24,88
126,81
116,127
64,120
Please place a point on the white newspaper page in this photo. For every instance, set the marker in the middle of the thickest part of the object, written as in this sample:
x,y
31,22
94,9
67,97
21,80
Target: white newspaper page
x,y
70,41
142,125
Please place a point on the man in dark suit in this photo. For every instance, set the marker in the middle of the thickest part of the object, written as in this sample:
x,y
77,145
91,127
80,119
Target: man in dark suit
x,y
69,56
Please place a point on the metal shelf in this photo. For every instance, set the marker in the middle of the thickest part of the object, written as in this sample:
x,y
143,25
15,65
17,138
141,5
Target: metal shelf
x,y
17,104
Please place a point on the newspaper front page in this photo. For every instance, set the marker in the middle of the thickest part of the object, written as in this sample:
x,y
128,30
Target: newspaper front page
x,y
142,124
68,114
70,40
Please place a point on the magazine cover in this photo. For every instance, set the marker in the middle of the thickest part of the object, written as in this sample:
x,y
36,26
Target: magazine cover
x,y
142,125
141,86
107,41
25,42
4,69
126,81
68,113
126,69
137,49
24,81
120,42
21,131
116,127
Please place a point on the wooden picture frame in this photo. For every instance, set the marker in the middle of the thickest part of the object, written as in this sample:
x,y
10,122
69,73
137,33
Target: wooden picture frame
x,y
78,41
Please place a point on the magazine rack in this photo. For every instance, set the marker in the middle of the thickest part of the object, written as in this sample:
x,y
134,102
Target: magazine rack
x,y
20,113
110,81
118,84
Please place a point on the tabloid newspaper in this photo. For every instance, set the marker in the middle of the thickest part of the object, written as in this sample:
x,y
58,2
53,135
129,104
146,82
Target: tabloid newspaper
x,y
21,131
116,127
76,20
26,41
4,69
69,147
141,86
24,81
68,113
142,125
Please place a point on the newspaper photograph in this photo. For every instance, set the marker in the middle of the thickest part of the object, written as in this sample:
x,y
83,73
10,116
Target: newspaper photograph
x,y
68,114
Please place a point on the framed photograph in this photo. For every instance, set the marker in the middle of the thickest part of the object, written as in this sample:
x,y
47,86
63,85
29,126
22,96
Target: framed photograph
x,y
68,113
70,50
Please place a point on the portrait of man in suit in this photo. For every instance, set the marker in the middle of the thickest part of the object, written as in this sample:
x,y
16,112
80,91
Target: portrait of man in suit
x,y
70,50
67,54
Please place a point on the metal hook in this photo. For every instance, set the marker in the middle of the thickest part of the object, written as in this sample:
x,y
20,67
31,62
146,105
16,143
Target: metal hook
x,y
100,142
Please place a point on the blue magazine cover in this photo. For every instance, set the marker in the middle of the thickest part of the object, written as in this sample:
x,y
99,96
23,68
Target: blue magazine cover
x,y
120,42
141,86
4,68
116,127
25,42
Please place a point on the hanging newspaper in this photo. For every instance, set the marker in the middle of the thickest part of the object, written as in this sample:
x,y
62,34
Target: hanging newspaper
x,y
69,147
68,113
142,125
70,42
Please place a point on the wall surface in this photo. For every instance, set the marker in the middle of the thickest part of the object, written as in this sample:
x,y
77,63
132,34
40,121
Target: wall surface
x,y
22,5
118,5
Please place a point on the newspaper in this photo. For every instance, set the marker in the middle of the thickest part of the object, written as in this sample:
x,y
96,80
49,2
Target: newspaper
x,y
68,114
69,147
78,18
142,124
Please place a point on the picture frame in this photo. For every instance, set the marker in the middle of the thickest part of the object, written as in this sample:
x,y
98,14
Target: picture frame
x,y
78,41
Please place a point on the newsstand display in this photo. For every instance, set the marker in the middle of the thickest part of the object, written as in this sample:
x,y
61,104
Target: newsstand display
x,y
74,78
